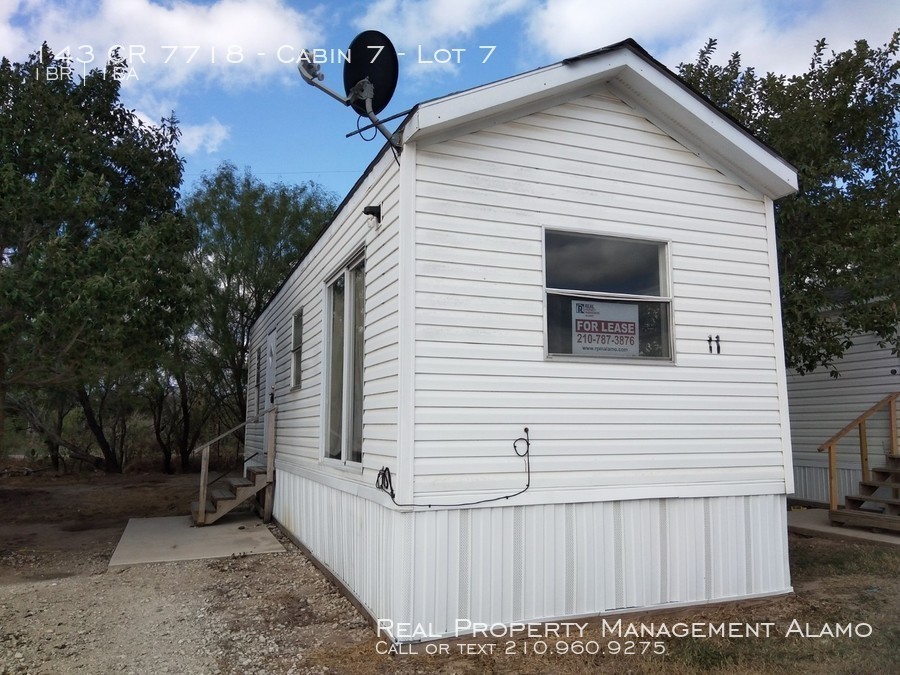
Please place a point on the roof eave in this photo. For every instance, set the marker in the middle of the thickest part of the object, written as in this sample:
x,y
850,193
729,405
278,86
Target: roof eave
x,y
640,80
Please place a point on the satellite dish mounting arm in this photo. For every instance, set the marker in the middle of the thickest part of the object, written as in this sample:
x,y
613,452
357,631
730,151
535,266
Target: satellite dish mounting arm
x,y
362,90
312,73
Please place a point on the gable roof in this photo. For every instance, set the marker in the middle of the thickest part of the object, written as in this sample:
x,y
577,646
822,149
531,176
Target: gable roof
x,y
630,72
636,77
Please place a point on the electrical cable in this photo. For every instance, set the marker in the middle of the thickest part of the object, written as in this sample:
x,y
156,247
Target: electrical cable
x,y
360,131
383,481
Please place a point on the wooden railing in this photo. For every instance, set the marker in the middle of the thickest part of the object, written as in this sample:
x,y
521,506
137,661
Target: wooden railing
x,y
269,447
889,401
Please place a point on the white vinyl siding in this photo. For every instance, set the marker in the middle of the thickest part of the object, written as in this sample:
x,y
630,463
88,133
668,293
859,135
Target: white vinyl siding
x,y
821,405
707,424
298,437
654,482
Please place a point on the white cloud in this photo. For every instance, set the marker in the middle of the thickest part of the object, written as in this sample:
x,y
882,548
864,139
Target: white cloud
x,y
434,24
771,40
569,27
778,35
232,43
12,38
172,47
430,21
207,137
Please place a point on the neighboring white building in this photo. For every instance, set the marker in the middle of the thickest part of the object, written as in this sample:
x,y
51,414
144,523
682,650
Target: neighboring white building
x,y
821,405
586,250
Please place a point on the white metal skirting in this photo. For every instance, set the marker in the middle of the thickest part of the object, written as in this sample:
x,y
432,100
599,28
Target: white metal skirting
x,y
811,483
542,562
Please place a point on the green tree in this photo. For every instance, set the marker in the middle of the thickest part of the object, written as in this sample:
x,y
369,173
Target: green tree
x,y
94,267
251,237
180,395
838,243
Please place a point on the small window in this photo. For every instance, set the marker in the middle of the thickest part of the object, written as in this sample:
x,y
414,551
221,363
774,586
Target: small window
x,y
606,296
296,348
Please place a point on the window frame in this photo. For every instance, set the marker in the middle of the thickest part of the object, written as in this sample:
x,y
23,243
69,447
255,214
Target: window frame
x,y
260,405
296,349
665,298
346,271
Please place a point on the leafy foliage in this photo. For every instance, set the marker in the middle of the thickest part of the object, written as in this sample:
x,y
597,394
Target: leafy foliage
x,y
95,267
181,398
251,236
114,301
838,243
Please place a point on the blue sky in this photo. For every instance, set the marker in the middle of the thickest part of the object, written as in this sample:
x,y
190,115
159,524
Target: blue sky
x,y
226,67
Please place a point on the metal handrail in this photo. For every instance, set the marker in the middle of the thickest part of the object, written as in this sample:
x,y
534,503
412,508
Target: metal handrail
x,y
889,401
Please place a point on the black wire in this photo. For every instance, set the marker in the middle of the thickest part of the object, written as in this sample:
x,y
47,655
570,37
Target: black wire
x,y
383,481
360,131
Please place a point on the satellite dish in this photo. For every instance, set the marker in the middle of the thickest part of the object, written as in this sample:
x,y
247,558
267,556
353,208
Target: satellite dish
x,y
370,77
372,57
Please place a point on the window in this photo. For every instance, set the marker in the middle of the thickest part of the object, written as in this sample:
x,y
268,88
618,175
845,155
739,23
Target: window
x,y
345,314
606,296
260,395
296,348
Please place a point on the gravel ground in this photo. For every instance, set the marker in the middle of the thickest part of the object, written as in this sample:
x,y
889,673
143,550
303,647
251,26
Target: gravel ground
x,y
62,611
254,614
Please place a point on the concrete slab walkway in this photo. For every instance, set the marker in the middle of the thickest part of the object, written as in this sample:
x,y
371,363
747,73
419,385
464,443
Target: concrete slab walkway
x,y
149,540
815,523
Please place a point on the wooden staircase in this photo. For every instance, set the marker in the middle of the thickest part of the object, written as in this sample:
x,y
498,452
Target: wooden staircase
x,y
213,503
232,493
878,503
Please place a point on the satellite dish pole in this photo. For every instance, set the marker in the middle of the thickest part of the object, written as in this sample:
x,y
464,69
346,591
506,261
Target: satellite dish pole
x,y
369,83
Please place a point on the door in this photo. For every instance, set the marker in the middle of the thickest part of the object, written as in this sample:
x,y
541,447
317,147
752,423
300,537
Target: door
x,y
269,391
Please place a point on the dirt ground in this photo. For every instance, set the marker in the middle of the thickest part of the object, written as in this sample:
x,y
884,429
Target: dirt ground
x,y
62,611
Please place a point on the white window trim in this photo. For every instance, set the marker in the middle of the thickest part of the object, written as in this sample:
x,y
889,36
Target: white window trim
x,y
665,282
296,352
259,386
346,402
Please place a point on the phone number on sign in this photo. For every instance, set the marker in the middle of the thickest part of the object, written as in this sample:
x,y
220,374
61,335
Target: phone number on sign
x,y
604,339
592,647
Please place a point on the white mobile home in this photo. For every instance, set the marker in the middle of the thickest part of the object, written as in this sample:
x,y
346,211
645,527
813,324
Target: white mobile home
x,y
822,405
586,251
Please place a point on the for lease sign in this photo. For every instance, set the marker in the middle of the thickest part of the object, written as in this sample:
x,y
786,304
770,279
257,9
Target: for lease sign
x,y
600,328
